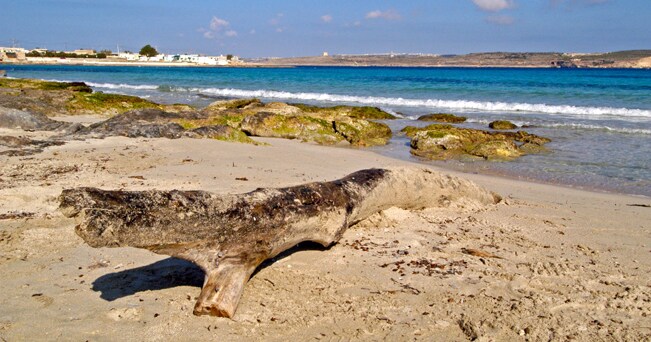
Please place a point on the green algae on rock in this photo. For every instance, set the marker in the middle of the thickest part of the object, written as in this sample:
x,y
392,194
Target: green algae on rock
x,y
364,112
443,117
221,132
363,132
502,125
103,103
305,128
65,98
442,142
22,83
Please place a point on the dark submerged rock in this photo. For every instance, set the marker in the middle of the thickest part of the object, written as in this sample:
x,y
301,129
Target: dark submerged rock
x,y
443,117
502,125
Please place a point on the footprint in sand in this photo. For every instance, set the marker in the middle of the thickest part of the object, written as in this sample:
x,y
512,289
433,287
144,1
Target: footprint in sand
x,y
45,300
130,314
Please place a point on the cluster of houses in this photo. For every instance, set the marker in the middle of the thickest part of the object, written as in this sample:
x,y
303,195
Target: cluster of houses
x,y
13,54
181,58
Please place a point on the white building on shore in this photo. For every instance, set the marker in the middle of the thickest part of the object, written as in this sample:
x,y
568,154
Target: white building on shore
x,y
12,54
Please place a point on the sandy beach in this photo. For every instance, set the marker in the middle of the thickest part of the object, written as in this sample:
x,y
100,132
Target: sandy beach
x,y
546,263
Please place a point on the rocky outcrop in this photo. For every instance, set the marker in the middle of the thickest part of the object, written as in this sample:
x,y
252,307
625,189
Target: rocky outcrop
x,y
443,117
106,104
135,117
442,142
502,125
220,132
364,133
155,123
229,236
28,121
357,132
304,128
147,123
364,112
67,98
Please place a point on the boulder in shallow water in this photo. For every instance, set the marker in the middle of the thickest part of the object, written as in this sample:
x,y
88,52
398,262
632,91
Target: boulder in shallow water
x,y
443,117
442,142
502,125
496,150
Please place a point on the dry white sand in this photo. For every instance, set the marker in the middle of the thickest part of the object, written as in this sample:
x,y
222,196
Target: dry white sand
x,y
549,263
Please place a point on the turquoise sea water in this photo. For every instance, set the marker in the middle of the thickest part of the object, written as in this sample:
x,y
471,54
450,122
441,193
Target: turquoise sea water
x,y
599,119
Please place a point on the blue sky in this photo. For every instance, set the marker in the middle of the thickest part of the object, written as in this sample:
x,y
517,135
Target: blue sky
x,y
304,27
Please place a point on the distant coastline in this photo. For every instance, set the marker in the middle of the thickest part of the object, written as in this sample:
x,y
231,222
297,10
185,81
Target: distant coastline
x,y
621,59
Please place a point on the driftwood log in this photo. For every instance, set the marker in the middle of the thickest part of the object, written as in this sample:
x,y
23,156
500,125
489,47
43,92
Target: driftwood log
x,y
229,236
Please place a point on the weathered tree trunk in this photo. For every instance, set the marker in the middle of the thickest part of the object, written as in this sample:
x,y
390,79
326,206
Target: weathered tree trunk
x,y
229,236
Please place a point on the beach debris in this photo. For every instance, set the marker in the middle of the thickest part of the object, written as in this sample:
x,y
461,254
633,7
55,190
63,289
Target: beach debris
x,y
478,253
502,125
22,146
229,236
443,117
641,205
442,142
13,215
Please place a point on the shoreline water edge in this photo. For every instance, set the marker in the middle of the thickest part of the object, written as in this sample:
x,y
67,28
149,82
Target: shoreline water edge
x,y
599,121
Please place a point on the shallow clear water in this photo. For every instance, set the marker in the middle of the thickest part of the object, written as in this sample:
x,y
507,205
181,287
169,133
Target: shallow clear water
x,y
599,119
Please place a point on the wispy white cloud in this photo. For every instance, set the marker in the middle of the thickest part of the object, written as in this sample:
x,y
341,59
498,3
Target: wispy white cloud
x,y
386,15
217,24
500,19
326,18
494,5
218,27
276,22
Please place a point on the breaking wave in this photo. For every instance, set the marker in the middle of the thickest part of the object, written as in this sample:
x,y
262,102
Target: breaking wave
x,y
395,101
122,86
571,126
450,104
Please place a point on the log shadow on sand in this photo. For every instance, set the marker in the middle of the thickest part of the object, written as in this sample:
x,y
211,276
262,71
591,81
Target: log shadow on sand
x,y
164,274
169,273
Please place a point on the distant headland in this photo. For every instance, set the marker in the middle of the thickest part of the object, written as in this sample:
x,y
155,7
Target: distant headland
x,y
150,57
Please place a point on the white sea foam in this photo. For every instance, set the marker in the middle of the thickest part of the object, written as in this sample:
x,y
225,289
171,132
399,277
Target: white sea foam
x,y
577,126
122,86
598,128
435,103
461,105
